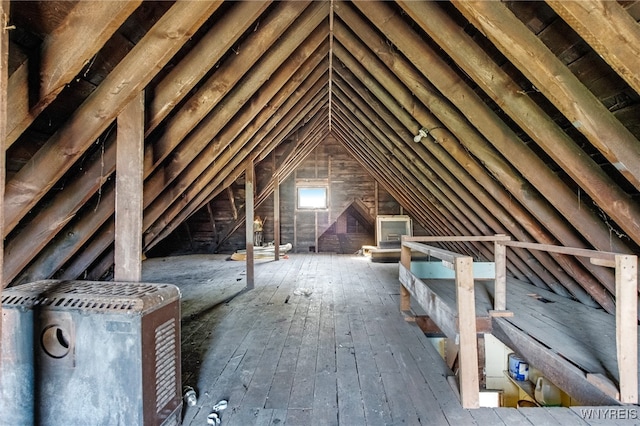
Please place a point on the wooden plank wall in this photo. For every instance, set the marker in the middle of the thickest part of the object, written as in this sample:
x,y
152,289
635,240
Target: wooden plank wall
x,y
348,182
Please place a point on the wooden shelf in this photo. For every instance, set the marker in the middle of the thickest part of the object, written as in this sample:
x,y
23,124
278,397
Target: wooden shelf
x,y
526,386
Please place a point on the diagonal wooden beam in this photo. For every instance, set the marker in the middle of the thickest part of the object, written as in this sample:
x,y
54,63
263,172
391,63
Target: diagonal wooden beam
x,y
501,136
610,30
304,147
63,54
221,82
528,115
62,209
202,58
203,146
4,83
100,229
519,222
197,194
436,170
399,156
97,112
558,84
454,146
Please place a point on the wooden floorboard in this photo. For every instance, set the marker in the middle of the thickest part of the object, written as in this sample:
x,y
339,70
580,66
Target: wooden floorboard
x,y
319,341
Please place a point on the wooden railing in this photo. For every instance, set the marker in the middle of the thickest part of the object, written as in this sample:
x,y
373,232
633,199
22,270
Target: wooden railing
x,y
626,294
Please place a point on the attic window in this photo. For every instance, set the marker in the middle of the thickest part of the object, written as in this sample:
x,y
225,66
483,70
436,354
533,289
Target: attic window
x,y
312,197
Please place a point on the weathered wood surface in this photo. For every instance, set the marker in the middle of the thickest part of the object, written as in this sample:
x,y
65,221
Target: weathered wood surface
x,y
4,82
615,38
554,329
129,184
551,77
97,112
495,130
249,194
344,352
524,111
64,53
537,208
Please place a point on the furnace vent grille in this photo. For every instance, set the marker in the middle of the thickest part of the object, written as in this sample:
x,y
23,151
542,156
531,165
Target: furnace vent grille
x,y
84,295
165,363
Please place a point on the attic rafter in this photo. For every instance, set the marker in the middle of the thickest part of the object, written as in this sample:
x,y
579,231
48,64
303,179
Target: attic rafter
x,y
213,189
401,183
558,84
201,59
547,134
456,190
497,132
62,56
211,92
272,94
464,168
180,210
204,144
610,30
467,135
97,112
305,145
330,62
400,155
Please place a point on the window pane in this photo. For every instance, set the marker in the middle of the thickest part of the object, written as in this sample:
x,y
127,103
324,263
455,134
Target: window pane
x,y
312,198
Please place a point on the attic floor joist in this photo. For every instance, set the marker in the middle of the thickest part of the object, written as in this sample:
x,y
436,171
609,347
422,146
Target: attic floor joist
x,y
228,82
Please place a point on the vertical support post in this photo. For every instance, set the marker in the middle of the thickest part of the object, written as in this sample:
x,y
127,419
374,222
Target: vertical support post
x,y
4,82
129,190
405,260
315,230
276,216
376,196
500,283
627,326
249,214
469,385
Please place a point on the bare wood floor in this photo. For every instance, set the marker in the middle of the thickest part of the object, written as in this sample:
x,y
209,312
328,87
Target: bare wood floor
x,y
340,355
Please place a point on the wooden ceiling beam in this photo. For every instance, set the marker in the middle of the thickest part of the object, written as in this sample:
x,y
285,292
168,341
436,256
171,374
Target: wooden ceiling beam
x,y
202,147
387,177
527,114
271,127
182,208
467,222
553,79
68,244
64,52
62,209
224,79
380,158
270,96
4,84
557,194
305,145
201,59
471,141
610,30
461,164
99,110
229,171
99,220
441,171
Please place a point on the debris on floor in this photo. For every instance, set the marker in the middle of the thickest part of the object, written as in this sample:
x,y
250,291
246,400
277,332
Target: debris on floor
x,y
302,292
214,417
